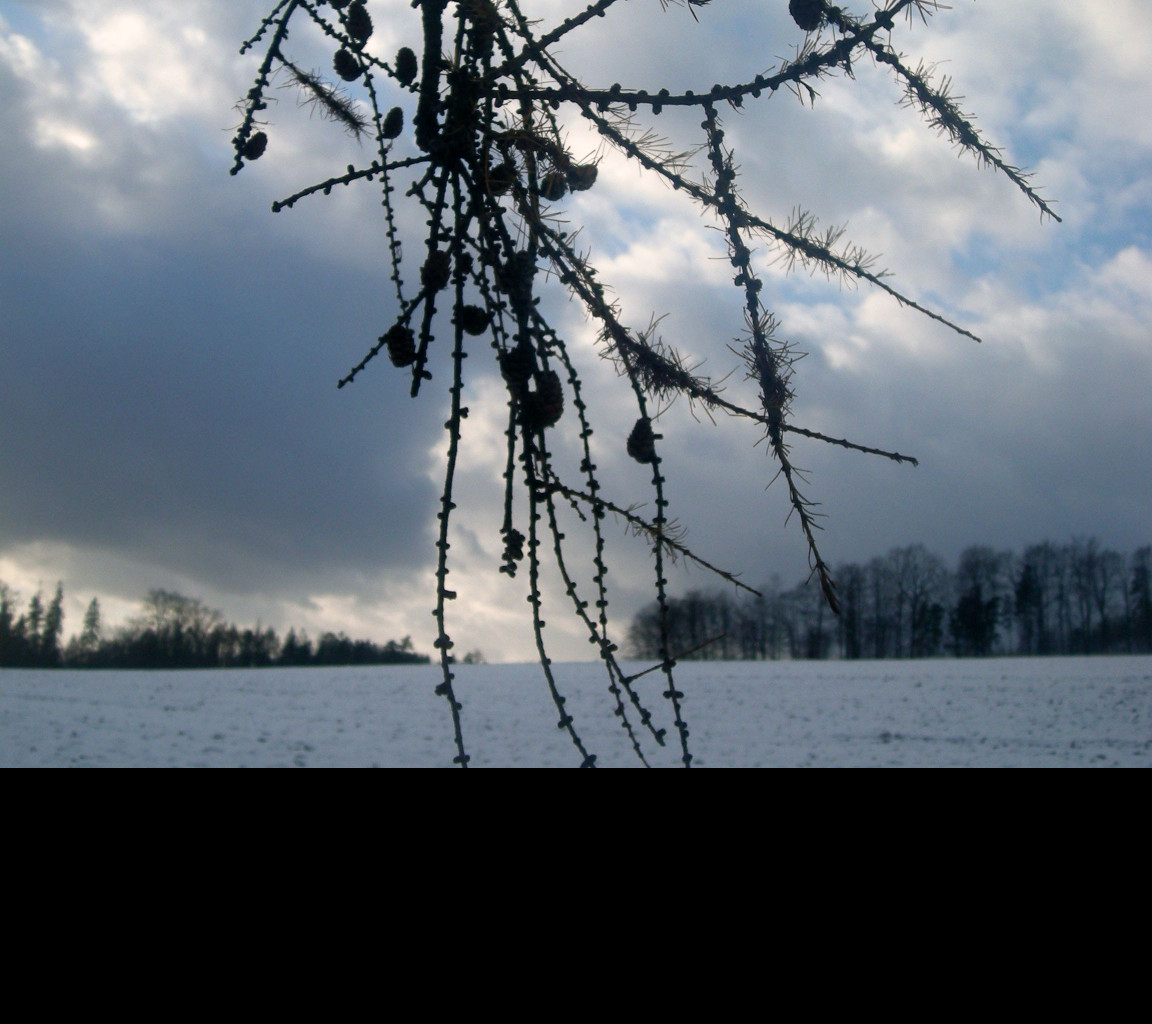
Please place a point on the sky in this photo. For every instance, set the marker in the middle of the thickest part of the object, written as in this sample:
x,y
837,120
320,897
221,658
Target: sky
x,y
169,416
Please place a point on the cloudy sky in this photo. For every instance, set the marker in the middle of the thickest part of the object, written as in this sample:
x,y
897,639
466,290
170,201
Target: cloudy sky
x,y
168,409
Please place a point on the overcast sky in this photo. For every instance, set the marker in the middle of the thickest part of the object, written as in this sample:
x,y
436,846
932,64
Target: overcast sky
x,y
170,348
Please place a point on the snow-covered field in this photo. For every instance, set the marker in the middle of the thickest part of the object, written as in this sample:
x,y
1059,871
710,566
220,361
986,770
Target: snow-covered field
x,y
1065,712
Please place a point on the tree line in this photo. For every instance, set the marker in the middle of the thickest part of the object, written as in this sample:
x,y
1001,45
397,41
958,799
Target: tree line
x,y
1054,599
171,631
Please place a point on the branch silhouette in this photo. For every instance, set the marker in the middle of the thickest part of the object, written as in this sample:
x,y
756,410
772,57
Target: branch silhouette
x,y
484,159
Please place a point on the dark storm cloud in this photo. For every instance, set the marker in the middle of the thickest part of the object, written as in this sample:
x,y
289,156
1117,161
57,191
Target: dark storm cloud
x,y
169,395
170,348
182,406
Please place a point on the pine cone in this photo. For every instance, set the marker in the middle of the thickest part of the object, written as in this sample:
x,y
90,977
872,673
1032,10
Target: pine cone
x,y
393,123
434,273
517,365
473,320
807,13
581,177
255,146
544,406
553,186
401,344
359,22
642,442
501,178
405,66
347,67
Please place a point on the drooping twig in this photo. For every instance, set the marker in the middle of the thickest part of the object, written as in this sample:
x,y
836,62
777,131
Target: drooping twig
x,y
484,164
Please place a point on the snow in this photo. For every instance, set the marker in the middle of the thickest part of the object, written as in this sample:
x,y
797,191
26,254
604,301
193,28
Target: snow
x,y
1062,712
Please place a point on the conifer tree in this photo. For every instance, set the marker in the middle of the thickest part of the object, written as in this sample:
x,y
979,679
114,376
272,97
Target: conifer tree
x,y
9,639
53,629
33,621
89,641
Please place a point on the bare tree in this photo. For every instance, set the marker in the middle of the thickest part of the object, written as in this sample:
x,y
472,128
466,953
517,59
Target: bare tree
x,y
920,579
982,586
1035,599
1140,594
851,584
485,160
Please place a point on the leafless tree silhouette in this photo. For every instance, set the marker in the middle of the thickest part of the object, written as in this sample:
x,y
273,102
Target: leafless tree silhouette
x,y
485,158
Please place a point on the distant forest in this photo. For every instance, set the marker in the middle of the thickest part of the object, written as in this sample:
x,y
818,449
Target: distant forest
x,y
1074,598
171,631
1055,599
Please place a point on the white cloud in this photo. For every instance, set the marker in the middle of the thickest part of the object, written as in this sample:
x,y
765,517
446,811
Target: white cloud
x,y
52,134
145,61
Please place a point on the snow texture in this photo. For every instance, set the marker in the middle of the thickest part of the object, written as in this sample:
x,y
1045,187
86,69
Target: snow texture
x,y
1065,712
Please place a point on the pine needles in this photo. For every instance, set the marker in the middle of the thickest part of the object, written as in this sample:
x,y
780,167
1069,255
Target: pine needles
x,y
484,158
